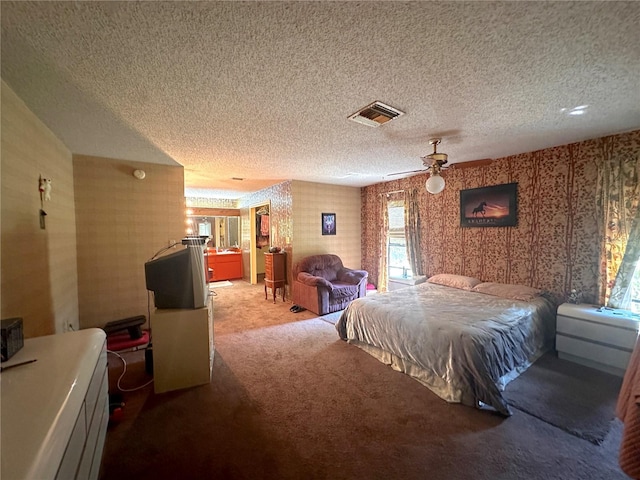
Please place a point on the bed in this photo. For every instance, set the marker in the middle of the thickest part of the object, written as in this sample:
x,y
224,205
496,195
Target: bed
x,y
463,344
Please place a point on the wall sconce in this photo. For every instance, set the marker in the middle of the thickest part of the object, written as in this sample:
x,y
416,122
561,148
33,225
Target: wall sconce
x,y
139,174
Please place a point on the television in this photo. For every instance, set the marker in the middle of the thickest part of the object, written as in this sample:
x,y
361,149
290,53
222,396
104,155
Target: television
x,y
178,280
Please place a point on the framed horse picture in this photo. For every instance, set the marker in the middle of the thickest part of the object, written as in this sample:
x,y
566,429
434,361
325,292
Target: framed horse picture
x,y
495,206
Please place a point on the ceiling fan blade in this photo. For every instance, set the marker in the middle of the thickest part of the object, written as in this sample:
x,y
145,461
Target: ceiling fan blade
x,y
405,173
472,163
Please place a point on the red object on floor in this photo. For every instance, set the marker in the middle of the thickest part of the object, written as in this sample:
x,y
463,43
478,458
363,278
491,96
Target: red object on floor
x,y
123,341
371,286
117,415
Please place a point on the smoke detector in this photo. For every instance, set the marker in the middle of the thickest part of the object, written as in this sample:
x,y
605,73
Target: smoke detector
x,y
375,114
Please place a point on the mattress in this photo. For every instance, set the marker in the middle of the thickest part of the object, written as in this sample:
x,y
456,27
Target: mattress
x,y
464,346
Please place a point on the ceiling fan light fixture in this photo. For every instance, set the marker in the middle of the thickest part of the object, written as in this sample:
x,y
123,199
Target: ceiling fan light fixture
x,y
435,184
441,158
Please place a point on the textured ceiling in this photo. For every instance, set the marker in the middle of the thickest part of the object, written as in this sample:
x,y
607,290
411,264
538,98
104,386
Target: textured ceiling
x,y
262,90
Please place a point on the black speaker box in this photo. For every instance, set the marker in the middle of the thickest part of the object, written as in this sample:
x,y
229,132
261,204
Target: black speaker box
x,y
12,337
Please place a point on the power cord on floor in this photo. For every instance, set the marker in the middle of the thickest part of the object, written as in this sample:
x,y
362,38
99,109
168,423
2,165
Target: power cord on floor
x,y
124,362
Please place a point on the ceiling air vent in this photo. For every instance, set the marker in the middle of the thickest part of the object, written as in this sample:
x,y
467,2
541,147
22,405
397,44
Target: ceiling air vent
x,y
375,114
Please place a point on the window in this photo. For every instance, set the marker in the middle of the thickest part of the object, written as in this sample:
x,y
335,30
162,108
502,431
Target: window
x,y
397,260
222,231
204,228
633,293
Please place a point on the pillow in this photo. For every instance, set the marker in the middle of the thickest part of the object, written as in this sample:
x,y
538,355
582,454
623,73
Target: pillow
x,y
504,290
455,281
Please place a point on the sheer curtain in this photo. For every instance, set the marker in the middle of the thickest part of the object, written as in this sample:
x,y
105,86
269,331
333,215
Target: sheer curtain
x,y
383,274
412,230
620,292
618,194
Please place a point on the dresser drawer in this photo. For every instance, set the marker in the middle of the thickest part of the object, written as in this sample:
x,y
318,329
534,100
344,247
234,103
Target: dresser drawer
x,y
94,474
225,266
227,258
598,332
606,316
93,447
75,446
593,354
597,337
96,391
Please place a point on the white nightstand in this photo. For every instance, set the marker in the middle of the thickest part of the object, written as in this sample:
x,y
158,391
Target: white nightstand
x,y
597,337
397,283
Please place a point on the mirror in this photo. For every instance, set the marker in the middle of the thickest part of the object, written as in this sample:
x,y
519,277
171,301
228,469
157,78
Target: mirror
x,y
224,232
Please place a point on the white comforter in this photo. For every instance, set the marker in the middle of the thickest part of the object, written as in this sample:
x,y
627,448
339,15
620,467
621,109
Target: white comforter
x,y
464,346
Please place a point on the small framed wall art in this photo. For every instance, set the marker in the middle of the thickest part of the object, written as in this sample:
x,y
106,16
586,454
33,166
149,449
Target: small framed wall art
x,y
328,224
495,206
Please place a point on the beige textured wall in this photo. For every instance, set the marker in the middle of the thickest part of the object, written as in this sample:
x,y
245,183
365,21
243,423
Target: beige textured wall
x,y
310,200
39,275
296,209
122,222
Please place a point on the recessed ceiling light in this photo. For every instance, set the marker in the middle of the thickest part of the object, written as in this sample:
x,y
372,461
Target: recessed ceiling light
x,y
575,111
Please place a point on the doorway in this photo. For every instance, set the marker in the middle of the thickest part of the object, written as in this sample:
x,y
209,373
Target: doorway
x,y
259,240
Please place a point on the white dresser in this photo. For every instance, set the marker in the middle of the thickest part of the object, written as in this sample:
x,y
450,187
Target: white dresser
x,y
55,411
597,337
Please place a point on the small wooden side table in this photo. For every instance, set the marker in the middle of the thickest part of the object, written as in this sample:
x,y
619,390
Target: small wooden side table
x,y
274,273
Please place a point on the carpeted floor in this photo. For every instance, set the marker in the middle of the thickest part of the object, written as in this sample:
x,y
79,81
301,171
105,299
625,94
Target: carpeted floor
x,y
577,399
331,318
289,400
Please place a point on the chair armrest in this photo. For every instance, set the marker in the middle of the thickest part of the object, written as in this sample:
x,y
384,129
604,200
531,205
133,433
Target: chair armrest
x,y
313,281
354,277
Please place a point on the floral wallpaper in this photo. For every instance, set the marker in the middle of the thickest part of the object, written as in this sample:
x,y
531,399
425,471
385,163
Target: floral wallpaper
x,y
279,197
555,245
204,202
281,212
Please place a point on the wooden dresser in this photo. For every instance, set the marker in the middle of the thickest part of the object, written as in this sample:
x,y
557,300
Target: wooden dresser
x,y
183,347
274,273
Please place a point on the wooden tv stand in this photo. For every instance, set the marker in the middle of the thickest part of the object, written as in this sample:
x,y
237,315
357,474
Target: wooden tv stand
x,y
183,348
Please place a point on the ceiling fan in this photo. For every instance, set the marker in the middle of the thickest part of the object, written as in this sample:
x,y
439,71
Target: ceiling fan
x,y
435,162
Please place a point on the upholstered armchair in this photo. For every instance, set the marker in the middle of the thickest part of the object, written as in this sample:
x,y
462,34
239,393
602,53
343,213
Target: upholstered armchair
x,y
322,285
